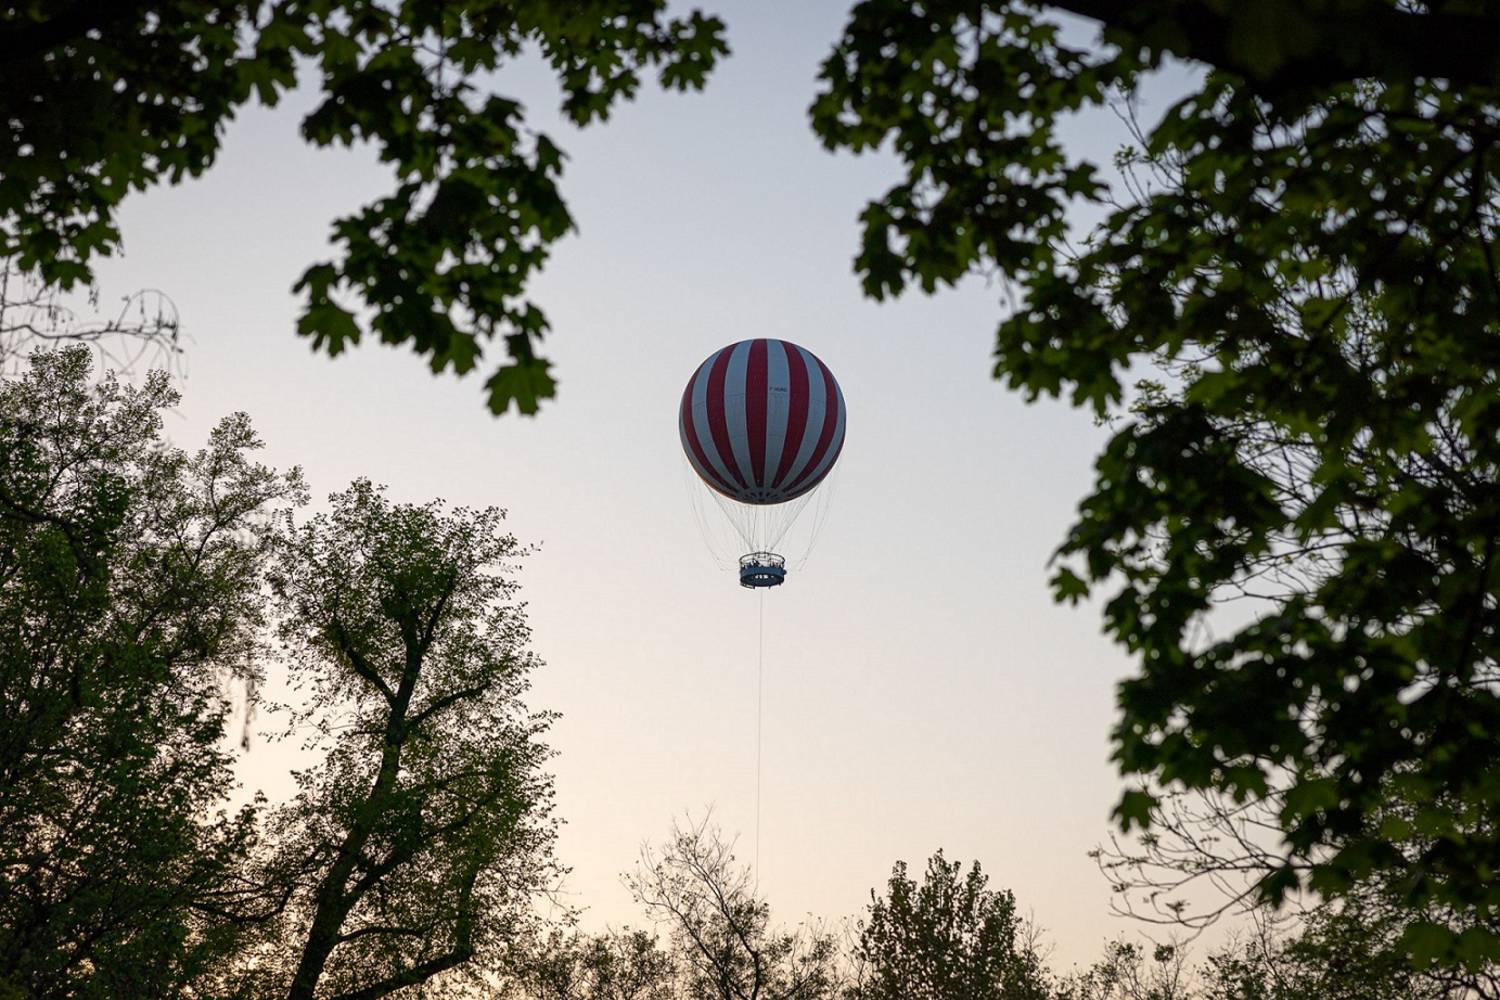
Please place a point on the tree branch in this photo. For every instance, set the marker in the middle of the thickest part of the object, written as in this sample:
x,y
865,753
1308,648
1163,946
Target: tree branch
x,y
383,929
359,663
429,629
1378,41
462,951
445,701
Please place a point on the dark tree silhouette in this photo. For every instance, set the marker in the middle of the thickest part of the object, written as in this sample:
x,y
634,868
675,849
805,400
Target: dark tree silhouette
x,y
950,937
1316,284
104,98
420,844
130,595
723,940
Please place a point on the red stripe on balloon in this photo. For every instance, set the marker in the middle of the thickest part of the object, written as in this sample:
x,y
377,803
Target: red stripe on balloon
x,y
690,438
830,422
756,377
718,429
796,412
837,451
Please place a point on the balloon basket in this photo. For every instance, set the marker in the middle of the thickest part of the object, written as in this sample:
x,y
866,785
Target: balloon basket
x,y
762,569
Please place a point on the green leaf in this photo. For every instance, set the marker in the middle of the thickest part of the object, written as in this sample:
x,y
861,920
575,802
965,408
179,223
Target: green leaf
x,y
1134,809
1068,586
525,384
331,327
1427,943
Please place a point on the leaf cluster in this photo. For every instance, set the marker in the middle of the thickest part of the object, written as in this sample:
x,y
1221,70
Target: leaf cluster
x,y
105,99
1309,270
949,938
417,846
615,965
130,598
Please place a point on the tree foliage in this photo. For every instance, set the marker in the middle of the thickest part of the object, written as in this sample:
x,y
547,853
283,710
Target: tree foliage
x,y
1331,953
1357,945
418,846
1131,971
1348,951
1277,45
129,598
140,586
1310,269
102,99
622,965
722,936
949,938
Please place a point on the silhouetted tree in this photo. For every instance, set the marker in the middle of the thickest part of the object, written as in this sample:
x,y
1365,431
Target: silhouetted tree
x,y
1356,945
949,938
101,99
1350,951
723,941
1277,47
1126,972
418,845
131,597
1309,263
1328,955
625,965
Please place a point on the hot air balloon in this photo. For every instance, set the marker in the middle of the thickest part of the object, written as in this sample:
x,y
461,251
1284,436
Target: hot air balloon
x,y
762,424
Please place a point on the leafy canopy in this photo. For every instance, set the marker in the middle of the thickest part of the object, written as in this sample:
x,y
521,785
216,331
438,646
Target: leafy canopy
x,y
415,849
102,99
614,965
950,937
1305,260
130,596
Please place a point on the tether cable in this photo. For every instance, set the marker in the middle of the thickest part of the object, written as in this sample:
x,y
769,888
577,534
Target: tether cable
x,y
760,672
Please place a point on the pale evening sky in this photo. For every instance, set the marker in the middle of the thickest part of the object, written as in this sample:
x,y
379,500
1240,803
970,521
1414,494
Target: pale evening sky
x,y
921,688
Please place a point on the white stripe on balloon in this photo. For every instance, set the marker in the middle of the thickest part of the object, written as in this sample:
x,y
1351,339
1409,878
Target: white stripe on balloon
x,y
833,442
700,423
778,397
816,405
734,409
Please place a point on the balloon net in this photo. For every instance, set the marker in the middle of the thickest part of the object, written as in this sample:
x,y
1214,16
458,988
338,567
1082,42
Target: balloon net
x,y
730,529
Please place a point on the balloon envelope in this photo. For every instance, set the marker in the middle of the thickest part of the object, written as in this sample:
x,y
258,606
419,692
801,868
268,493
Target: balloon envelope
x,y
762,421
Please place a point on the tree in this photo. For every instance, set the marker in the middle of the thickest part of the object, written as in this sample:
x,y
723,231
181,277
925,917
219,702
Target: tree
x,y
1279,45
624,965
1125,973
130,597
1354,946
1329,954
417,847
723,941
1312,276
1334,955
950,938
105,98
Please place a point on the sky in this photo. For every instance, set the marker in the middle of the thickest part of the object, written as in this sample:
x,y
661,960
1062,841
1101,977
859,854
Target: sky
x,y
921,690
